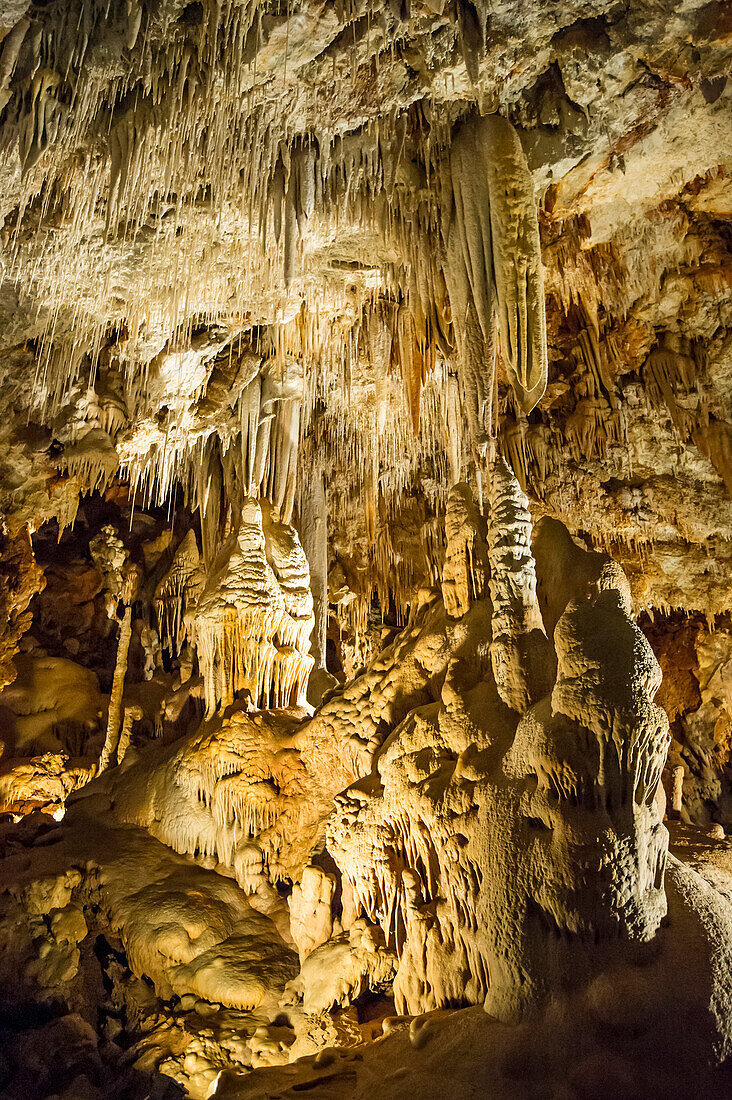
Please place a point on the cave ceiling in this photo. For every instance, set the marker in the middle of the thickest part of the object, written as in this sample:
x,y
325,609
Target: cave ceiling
x,y
201,198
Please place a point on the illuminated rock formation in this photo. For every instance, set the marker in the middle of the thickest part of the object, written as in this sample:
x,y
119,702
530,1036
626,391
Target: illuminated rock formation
x,y
475,840
492,247
490,851
365,451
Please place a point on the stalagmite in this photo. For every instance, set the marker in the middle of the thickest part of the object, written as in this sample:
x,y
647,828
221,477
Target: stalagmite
x,y
677,790
567,572
520,652
132,714
465,842
120,580
114,718
311,917
466,568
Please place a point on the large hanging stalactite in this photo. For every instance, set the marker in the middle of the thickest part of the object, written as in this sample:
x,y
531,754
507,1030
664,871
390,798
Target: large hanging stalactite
x,y
493,266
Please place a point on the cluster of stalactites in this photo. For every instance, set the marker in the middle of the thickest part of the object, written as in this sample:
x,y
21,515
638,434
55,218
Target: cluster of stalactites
x,y
357,423
239,436
460,260
386,886
596,423
251,626
238,812
357,415
395,883
92,459
672,377
178,591
480,226
151,156
260,459
482,221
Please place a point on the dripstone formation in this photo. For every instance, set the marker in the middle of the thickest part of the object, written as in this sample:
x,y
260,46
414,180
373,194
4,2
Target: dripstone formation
x,y
365,613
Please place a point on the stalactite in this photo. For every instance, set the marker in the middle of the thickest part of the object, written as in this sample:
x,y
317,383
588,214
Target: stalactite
x,y
177,591
313,527
256,294
670,378
714,439
412,358
491,235
92,458
9,55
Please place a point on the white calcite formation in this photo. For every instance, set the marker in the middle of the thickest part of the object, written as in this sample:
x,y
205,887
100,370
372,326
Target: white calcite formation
x,y
272,777
311,913
235,780
178,590
342,969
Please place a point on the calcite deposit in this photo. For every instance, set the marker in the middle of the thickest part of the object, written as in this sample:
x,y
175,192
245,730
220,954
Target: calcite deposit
x,y
365,528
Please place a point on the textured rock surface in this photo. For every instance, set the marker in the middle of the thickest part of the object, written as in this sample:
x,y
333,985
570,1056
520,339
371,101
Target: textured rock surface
x,y
365,458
